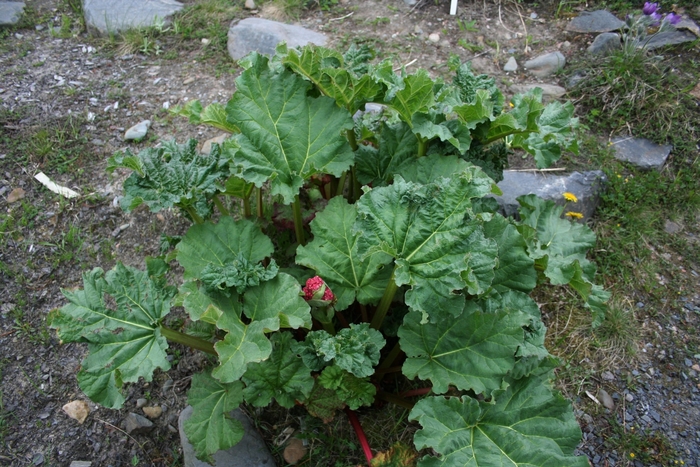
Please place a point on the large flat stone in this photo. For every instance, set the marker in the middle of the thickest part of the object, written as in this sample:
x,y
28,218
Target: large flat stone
x,y
674,37
251,451
10,12
546,64
262,36
595,21
605,43
110,16
641,152
586,186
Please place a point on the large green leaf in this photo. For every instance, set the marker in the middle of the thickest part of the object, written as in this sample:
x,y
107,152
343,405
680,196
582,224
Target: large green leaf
x,y
221,244
431,168
214,115
426,229
242,345
200,303
515,269
522,118
354,391
173,175
473,351
125,342
559,247
211,428
526,426
398,147
415,96
277,303
286,135
333,255
283,376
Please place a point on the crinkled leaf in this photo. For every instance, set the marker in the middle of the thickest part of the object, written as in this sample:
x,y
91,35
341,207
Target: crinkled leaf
x,y
283,376
333,255
527,426
432,125
213,115
239,273
324,67
482,259
431,168
277,303
557,127
286,135
236,186
515,269
399,455
221,244
470,84
425,228
211,428
323,403
173,175
415,96
354,349
474,351
354,391
398,147
123,333
523,118
478,111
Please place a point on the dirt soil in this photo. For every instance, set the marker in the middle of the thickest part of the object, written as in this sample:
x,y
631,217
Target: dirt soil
x,y
64,107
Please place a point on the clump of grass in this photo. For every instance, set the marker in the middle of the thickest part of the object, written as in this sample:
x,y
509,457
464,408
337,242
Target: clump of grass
x,y
638,445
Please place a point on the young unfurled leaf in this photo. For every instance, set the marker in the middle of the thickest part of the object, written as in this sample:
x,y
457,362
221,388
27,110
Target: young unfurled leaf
x,y
333,255
522,118
221,244
125,343
474,351
211,428
173,175
239,274
354,349
286,135
416,96
526,426
283,376
425,228
207,305
242,345
214,114
470,86
354,391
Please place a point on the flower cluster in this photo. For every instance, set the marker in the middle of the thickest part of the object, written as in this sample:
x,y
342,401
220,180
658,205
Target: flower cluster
x,y
317,292
653,11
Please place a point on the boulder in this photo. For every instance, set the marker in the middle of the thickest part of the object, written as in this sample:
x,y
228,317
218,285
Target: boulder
x,y
251,451
546,64
673,37
641,152
511,65
595,21
262,36
108,16
10,13
605,43
586,186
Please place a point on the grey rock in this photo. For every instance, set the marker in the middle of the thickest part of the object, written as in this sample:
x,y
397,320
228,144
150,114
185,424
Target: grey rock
x,y
137,131
607,376
511,65
665,38
546,64
586,186
671,228
80,464
108,16
137,424
641,152
595,21
262,36
605,43
141,403
605,399
576,78
549,91
10,13
250,5
629,397
251,451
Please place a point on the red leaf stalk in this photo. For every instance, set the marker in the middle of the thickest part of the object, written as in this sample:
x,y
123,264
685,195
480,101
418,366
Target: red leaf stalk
x,y
360,435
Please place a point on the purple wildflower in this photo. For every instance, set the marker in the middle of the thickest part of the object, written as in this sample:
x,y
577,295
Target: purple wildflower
x,y
650,8
655,18
672,18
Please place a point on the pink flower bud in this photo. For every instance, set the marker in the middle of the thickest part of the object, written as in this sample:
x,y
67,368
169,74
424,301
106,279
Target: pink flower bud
x,y
317,292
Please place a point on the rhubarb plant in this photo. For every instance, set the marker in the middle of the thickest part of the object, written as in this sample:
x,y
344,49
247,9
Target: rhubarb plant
x,y
402,261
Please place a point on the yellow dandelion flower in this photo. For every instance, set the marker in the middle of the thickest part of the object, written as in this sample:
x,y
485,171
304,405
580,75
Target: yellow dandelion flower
x,y
574,215
511,105
631,455
570,197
